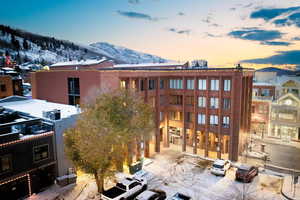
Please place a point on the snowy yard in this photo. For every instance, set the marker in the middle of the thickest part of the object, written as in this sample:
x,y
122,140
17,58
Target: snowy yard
x,y
173,172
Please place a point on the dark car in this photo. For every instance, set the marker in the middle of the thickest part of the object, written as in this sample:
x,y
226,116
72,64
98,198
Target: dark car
x,y
246,173
152,195
179,196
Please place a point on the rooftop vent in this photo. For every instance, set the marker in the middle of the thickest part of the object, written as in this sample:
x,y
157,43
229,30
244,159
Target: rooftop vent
x,y
53,114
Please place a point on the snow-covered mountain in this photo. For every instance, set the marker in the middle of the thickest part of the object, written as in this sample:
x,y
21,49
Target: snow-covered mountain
x,y
24,47
127,55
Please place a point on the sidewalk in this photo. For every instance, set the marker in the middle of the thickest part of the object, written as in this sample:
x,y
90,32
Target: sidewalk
x,y
277,141
288,190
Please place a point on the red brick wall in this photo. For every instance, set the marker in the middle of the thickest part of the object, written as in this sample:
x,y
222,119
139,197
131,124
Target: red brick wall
x,y
7,81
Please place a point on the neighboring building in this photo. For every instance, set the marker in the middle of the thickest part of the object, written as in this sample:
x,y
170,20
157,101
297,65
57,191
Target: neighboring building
x,y
10,83
86,64
61,117
199,64
201,111
275,106
27,159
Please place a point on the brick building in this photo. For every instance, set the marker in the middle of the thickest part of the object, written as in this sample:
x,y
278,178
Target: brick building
x,y
10,83
200,111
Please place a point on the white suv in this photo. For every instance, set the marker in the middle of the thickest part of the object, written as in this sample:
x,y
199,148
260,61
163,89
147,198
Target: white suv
x,y
220,167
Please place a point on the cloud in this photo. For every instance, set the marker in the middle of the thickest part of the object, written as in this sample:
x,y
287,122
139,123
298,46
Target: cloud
x,y
268,14
274,43
295,39
282,57
256,34
181,13
134,1
184,31
207,34
293,19
136,15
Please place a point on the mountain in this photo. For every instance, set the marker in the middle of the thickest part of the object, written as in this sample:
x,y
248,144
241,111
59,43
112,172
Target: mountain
x,y
279,71
24,47
127,55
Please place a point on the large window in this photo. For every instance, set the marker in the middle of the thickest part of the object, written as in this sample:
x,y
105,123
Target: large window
x,y
161,84
190,84
74,91
202,102
265,92
225,121
214,120
176,99
189,100
214,84
227,85
176,84
201,118
190,117
177,116
40,152
5,163
151,85
202,84
214,103
3,88
226,104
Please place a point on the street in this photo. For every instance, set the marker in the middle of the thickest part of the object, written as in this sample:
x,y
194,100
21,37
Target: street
x,y
283,155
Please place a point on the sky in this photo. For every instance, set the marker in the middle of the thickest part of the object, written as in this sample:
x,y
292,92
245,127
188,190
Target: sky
x,y
257,33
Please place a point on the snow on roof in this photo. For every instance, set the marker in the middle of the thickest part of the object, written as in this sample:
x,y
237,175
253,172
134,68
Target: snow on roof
x,y
263,84
149,65
80,62
35,107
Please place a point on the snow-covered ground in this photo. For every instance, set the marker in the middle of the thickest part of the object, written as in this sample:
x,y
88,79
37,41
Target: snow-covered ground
x,y
174,172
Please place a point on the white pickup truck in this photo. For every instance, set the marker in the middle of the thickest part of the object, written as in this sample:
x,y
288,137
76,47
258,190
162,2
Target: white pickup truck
x,y
126,189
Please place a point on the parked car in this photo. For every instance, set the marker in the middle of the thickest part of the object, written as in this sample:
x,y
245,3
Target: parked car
x,y
179,196
220,167
127,188
152,195
246,173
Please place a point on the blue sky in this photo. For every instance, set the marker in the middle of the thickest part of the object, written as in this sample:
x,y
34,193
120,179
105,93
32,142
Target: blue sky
x,y
224,32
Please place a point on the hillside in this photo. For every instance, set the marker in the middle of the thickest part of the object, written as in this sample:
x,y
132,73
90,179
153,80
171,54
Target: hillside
x,y
127,55
24,47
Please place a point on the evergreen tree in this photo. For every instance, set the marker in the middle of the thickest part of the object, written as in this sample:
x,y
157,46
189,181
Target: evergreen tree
x,y
25,44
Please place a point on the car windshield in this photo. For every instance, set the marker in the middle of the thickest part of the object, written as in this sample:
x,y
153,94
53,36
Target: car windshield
x,y
218,166
121,186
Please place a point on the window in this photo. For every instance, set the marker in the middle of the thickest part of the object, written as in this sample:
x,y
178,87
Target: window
x,y
190,117
3,88
161,116
176,99
214,84
214,103
176,84
74,91
265,92
189,100
190,84
262,109
151,85
123,84
226,121
226,104
142,88
177,116
73,86
5,163
201,118
132,185
255,92
214,120
40,152
227,85
161,84
202,102
202,84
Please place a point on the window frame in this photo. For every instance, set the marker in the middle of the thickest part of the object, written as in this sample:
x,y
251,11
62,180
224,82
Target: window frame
x,y
38,146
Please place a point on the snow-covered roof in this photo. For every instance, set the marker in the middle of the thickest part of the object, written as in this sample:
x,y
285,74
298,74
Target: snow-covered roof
x,y
80,62
262,84
36,107
149,65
